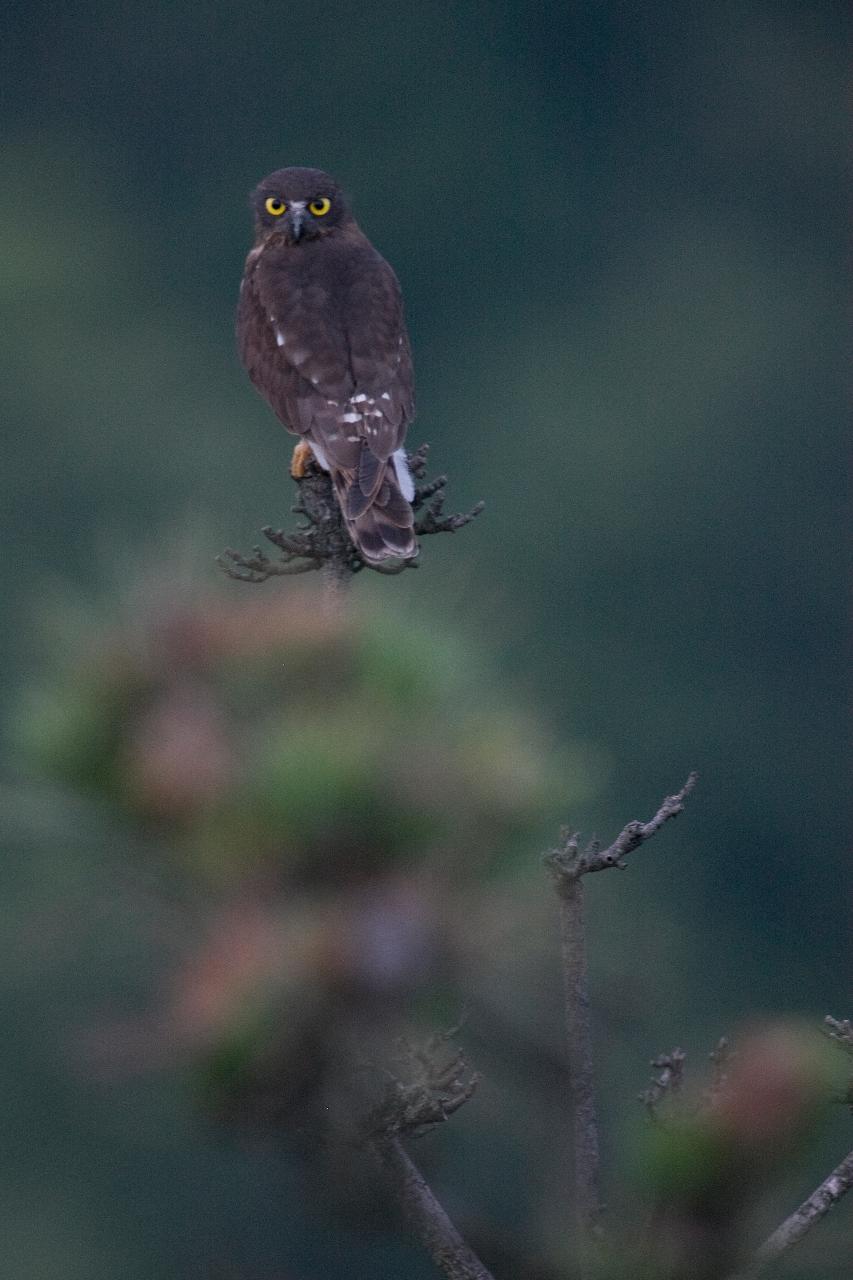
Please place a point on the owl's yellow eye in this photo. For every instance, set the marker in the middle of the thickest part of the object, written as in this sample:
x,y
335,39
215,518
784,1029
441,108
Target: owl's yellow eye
x,y
320,207
275,207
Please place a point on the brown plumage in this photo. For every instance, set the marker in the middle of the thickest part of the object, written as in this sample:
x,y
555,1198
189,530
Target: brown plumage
x,y
321,332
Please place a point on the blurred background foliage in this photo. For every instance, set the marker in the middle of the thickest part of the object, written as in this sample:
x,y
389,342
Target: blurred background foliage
x,y
618,230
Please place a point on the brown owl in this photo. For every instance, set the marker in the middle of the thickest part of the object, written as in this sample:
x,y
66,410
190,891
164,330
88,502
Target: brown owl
x,y
321,332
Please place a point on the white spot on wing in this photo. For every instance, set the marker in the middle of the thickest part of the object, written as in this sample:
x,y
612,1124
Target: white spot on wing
x,y
385,395
351,417
279,337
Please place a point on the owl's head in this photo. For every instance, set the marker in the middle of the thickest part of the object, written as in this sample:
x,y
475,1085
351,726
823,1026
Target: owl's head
x,y
298,204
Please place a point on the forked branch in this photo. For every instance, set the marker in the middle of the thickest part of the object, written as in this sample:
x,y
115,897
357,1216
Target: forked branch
x,y
432,1084
568,864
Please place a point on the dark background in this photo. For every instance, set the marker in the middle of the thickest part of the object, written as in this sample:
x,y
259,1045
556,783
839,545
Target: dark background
x,y
619,234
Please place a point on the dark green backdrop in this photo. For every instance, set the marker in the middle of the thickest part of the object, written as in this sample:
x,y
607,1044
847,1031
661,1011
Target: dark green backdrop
x,y
618,229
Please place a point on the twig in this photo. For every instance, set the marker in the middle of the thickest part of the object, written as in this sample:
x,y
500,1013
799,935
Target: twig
x,y
568,864
668,1082
587,1192
802,1220
841,1031
721,1058
437,1233
432,1085
323,543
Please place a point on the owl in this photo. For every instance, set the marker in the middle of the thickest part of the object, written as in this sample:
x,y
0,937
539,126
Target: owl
x,y
321,332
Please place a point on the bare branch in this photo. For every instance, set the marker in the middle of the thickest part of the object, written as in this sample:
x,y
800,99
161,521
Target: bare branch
x,y
435,1083
841,1031
587,1194
668,1082
720,1058
801,1221
322,542
257,567
436,1232
568,864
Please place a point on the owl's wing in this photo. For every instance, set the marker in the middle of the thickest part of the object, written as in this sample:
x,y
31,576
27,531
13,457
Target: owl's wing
x,y
330,353
323,346
292,345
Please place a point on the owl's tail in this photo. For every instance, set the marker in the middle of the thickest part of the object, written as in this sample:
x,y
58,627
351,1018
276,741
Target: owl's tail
x,y
376,506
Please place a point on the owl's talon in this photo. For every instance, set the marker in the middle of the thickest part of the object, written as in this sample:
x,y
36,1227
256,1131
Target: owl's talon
x,y
301,457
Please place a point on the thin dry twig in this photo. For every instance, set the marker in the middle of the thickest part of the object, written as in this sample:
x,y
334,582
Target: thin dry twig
x,y
841,1031
434,1081
587,1194
801,1221
321,542
568,864
666,1084
428,1218
721,1058
824,1197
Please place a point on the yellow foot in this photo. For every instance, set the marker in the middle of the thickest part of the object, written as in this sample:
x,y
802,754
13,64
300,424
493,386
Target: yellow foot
x,y
302,455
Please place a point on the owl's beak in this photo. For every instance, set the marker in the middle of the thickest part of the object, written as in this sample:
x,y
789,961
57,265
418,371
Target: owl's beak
x,y
296,218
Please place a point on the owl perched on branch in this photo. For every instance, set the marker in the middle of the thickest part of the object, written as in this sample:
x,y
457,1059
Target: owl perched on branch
x,y
321,332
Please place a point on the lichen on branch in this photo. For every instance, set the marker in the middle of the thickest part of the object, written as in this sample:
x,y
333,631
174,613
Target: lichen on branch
x,y
321,541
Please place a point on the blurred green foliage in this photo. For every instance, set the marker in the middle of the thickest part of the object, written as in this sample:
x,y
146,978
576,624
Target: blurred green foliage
x,y
250,731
